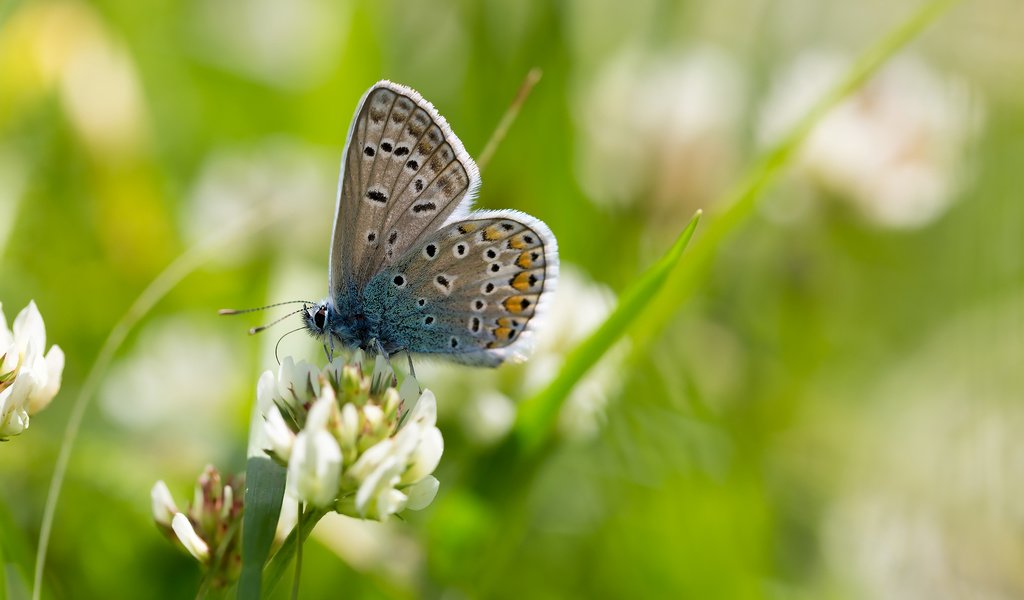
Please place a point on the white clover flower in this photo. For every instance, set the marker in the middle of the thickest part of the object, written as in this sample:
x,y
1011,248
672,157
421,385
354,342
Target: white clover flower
x,y
315,464
349,441
406,459
211,527
28,379
895,149
280,438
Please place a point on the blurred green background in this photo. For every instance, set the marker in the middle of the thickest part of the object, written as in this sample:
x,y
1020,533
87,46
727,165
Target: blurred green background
x,y
836,412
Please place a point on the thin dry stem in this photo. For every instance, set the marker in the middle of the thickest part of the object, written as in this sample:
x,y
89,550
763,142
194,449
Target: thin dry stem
x,y
508,118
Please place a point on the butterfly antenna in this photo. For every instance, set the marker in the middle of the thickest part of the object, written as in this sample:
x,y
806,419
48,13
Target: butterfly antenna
x,y
256,330
236,311
278,344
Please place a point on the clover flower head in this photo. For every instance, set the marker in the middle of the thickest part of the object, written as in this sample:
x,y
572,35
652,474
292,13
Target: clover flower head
x,y
352,442
210,529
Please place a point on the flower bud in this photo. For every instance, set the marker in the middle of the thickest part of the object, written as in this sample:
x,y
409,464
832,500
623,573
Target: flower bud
x,y
163,504
189,538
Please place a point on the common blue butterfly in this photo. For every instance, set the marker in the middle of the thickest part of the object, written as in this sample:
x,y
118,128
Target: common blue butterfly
x,y
412,268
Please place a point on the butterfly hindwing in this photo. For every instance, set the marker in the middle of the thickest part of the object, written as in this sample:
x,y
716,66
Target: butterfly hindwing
x,y
472,289
404,173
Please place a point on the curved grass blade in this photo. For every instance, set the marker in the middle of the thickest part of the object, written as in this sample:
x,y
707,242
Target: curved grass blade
x,y
537,415
170,277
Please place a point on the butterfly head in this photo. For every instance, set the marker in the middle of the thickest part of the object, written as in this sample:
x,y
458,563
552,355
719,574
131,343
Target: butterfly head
x,y
317,318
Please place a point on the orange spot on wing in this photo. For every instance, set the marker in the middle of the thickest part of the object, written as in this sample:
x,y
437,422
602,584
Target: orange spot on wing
x,y
525,280
517,243
517,304
492,233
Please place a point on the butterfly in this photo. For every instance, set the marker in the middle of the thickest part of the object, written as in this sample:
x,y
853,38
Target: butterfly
x,y
412,267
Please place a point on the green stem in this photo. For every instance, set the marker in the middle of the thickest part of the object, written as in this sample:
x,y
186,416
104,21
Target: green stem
x,y
157,289
204,585
508,118
298,555
279,563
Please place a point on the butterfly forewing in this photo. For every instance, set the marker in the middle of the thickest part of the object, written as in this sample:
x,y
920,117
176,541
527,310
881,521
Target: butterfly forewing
x,y
472,289
404,173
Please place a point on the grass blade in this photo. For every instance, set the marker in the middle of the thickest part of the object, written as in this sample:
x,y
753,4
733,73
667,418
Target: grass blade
x,y
163,283
264,493
537,415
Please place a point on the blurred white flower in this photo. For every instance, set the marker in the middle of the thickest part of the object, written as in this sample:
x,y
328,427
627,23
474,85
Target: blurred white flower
x,y
204,368
926,488
895,149
211,527
488,416
358,447
661,127
288,44
387,549
277,176
28,379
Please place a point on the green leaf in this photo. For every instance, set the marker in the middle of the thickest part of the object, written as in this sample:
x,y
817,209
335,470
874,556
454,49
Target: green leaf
x,y
264,492
537,415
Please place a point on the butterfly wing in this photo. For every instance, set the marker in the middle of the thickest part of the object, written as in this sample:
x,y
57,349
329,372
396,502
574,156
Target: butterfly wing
x,y
403,174
470,291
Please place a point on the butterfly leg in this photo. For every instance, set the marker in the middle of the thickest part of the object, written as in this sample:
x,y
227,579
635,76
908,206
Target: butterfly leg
x,y
412,371
380,350
329,348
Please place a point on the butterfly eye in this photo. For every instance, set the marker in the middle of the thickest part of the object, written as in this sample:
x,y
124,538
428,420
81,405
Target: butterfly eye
x,y
320,318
